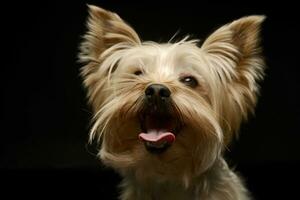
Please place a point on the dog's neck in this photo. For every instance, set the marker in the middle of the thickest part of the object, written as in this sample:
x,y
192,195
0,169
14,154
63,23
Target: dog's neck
x,y
211,182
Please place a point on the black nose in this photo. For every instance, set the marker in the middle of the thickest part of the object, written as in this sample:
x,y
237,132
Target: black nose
x,y
157,91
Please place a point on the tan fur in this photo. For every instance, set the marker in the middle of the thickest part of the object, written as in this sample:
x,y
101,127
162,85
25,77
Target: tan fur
x,y
227,66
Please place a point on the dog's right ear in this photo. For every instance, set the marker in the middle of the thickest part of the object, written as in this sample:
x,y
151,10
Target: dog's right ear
x,y
106,34
105,29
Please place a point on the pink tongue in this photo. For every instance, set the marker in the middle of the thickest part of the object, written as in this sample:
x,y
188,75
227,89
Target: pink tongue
x,y
157,136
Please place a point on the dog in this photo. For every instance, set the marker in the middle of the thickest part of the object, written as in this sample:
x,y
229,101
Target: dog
x,y
164,113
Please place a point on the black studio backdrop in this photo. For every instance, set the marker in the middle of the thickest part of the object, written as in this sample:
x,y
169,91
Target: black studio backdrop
x,y
45,119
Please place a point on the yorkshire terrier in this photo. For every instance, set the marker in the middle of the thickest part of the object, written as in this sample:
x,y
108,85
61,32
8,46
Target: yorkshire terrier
x,y
165,113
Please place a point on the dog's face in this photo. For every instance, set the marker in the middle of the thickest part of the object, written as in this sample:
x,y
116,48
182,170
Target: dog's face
x,y
168,108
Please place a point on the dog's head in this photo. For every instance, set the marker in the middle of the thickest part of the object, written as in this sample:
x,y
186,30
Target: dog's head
x,y
168,108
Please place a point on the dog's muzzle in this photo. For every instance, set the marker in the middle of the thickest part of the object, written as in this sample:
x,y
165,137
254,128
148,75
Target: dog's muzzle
x,y
158,124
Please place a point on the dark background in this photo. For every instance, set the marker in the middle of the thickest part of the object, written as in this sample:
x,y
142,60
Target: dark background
x,y
45,119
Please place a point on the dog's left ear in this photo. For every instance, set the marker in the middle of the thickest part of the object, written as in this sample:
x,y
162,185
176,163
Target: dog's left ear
x,y
235,54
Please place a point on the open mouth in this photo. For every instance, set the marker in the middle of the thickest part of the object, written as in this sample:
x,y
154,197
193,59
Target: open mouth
x,y
159,131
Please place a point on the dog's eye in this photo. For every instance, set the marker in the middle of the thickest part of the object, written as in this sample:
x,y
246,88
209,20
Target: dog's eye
x,y
189,81
138,72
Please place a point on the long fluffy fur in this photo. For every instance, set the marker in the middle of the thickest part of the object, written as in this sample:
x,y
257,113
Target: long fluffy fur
x,y
227,66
